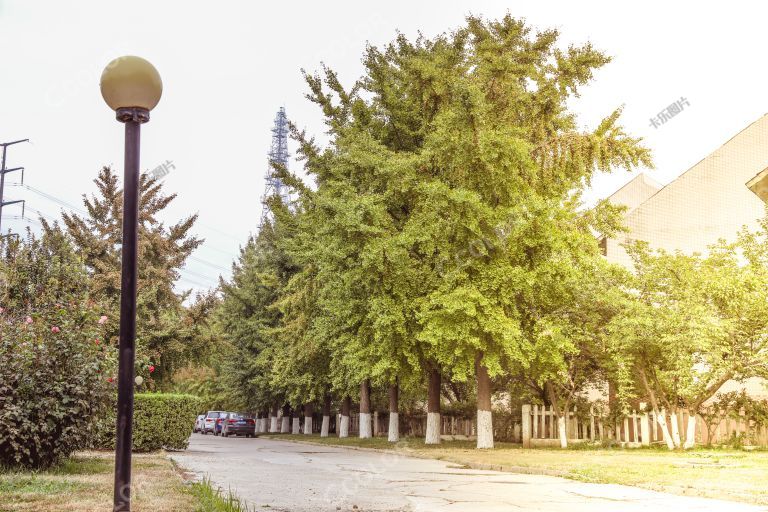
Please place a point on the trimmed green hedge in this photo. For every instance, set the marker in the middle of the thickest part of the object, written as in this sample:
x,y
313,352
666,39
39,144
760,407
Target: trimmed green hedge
x,y
160,420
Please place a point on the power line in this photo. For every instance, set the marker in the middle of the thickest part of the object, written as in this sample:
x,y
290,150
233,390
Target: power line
x,y
65,204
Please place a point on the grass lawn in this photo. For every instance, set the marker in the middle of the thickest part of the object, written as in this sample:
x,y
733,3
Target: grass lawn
x,y
714,473
84,484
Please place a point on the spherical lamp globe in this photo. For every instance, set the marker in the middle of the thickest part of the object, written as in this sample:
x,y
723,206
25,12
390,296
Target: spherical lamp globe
x,y
131,82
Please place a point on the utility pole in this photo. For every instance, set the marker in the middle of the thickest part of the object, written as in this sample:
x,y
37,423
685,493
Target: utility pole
x,y
3,172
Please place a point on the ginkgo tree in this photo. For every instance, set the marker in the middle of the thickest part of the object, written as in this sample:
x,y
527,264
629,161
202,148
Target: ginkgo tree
x,y
445,238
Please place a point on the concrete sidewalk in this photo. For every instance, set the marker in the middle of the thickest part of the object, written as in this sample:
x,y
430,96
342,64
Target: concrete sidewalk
x,y
283,476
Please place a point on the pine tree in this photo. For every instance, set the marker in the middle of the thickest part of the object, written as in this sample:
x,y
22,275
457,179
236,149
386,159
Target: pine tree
x,y
162,252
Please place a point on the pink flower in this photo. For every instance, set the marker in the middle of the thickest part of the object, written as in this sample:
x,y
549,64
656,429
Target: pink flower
x,y
55,328
151,368
2,310
28,320
97,342
103,319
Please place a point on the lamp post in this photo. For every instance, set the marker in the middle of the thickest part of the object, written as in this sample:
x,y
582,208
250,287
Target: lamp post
x,y
131,86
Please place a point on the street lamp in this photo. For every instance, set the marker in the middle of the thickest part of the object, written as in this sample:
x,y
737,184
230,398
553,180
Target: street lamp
x,y
131,86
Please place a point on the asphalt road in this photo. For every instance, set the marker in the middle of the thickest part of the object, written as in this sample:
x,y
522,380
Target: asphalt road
x,y
282,476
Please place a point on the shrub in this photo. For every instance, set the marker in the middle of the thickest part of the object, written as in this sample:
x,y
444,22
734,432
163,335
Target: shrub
x,y
159,421
52,369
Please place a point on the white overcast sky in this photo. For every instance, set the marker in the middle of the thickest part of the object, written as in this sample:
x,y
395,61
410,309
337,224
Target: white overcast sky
x,y
227,66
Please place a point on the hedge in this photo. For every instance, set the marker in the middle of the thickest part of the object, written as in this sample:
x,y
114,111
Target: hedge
x,y
160,420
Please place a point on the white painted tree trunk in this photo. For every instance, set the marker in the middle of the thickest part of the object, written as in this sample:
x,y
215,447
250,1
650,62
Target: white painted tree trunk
x,y
325,426
344,426
262,425
273,423
661,419
307,425
433,428
394,428
296,426
484,429
675,429
365,425
285,425
690,433
562,432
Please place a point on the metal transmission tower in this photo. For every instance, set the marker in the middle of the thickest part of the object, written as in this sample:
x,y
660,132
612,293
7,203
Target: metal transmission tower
x,y
278,154
3,172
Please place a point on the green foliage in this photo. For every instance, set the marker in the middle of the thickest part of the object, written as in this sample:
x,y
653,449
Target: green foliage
x,y
689,323
167,334
446,225
53,365
160,421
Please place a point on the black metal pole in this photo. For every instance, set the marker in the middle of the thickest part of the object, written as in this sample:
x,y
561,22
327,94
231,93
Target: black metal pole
x,y
133,118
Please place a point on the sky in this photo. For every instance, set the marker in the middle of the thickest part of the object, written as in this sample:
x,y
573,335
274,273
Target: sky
x,y
228,66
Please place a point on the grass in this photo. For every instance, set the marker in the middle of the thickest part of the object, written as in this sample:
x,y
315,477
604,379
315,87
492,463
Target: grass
x,y
714,473
84,483
214,500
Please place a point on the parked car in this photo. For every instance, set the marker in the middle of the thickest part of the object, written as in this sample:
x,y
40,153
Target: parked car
x,y
220,422
238,425
209,422
199,422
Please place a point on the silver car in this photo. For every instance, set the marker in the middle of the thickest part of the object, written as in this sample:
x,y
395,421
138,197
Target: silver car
x,y
209,422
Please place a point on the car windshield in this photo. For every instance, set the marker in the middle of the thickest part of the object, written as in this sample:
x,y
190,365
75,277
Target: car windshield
x,y
235,416
215,414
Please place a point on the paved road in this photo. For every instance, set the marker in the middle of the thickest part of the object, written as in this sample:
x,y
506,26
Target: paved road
x,y
282,476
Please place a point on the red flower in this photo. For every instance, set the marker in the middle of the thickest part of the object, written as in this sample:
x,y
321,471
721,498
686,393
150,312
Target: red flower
x,y
151,368
97,342
110,379
55,328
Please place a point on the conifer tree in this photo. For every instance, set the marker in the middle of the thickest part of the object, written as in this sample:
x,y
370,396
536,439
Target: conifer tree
x,y
163,251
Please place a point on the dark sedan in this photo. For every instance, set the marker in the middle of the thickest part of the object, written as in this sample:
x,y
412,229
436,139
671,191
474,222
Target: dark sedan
x,y
238,425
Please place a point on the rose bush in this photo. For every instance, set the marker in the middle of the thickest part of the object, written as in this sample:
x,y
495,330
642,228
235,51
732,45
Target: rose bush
x,y
53,367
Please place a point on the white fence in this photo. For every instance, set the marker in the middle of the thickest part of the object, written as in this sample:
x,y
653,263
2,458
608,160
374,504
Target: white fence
x,y
635,429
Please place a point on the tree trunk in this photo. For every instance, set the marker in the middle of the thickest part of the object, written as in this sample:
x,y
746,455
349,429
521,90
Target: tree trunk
x,y
690,433
433,408
365,409
273,420
326,416
561,431
285,423
675,429
308,411
394,418
296,419
661,419
661,416
484,417
346,405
